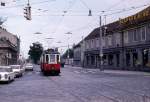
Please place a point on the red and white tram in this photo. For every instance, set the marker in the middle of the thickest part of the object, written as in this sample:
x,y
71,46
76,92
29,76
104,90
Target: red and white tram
x,y
50,62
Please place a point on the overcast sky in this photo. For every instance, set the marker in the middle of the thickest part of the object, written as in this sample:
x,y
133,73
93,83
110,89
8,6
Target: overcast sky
x,y
54,18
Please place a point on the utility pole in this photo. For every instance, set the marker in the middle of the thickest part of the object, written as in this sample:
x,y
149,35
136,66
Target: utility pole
x,y
100,44
68,56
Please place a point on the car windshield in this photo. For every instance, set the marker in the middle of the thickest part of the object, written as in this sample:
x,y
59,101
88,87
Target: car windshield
x,y
29,65
5,69
15,67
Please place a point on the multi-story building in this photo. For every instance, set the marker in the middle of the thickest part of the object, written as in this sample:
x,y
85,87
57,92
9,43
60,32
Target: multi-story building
x,y
9,48
91,50
126,44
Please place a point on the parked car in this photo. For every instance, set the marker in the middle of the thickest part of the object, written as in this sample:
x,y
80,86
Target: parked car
x,y
6,74
17,70
29,67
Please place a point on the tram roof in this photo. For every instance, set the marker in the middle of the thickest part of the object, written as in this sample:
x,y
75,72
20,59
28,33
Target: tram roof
x,y
51,51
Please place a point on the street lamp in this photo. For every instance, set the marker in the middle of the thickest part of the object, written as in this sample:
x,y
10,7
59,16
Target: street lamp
x,y
37,33
68,33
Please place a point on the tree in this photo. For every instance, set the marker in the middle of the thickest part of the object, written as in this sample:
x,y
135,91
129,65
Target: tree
x,y
2,20
66,54
35,52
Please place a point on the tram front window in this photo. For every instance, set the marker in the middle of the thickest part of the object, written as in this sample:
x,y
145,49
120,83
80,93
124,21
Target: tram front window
x,y
52,58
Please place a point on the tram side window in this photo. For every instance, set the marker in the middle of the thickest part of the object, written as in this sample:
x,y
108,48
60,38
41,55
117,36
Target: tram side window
x,y
43,59
58,60
47,58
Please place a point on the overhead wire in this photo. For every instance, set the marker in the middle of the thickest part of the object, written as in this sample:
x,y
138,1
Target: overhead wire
x,y
65,12
21,5
114,5
82,1
128,9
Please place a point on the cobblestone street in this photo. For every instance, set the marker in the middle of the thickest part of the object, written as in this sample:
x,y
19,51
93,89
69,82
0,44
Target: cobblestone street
x,y
78,85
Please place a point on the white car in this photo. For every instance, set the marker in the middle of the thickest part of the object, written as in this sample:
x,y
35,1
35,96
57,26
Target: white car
x,y
17,70
29,67
6,74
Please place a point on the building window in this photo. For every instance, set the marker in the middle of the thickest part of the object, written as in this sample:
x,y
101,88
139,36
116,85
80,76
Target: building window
x,y
117,39
109,40
135,35
126,39
97,42
92,43
103,42
106,41
87,44
143,33
138,32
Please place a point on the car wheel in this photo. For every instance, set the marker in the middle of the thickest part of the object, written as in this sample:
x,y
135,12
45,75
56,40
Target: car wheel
x,y
9,80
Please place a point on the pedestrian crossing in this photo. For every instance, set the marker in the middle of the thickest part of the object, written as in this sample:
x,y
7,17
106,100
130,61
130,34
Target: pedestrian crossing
x,y
85,71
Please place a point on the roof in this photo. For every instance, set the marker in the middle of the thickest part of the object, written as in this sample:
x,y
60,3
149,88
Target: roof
x,y
51,51
77,45
93,34
111,27
133,20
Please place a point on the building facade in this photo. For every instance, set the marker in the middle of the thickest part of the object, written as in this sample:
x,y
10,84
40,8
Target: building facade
x,y
77,55
126,44
9,48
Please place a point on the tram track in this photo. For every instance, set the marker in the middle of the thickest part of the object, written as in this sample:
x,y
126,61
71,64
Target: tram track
x,y
144,98
77,95
63,89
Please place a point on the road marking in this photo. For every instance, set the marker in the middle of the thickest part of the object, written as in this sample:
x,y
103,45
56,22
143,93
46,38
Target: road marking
x,y
85,71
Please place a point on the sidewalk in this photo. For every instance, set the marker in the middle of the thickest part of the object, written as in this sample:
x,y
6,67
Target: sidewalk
x,y
123,72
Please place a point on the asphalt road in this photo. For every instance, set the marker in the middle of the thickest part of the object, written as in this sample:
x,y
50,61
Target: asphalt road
x,y
77,85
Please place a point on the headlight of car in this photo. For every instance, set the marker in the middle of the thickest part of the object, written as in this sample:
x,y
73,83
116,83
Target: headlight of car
x,y
6,76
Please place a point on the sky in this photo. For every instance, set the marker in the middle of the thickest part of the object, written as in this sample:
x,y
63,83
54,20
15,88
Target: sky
x,y
55,18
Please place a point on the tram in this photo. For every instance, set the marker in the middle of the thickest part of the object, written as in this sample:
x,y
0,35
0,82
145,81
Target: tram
x,y
50,62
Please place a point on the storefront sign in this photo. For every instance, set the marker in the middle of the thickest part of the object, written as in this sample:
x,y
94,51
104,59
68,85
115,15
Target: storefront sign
x,y
136,17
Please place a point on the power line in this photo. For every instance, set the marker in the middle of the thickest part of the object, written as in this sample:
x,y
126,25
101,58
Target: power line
x,y
108,14
125,10
65,12
32,3
82,1
114,5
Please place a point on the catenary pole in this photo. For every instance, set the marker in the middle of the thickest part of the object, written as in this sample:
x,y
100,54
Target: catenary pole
x,y
100,44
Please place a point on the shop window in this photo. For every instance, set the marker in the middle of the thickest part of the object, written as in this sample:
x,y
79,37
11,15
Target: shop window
x,y
92,60
145,57
128,59
118,59
110,59
135,59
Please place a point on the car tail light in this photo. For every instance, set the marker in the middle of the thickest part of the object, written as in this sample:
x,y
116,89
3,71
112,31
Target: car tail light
x,y
6,76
